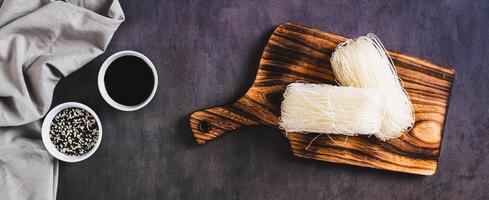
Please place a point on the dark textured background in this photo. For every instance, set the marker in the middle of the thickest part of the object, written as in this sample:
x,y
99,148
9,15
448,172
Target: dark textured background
x,y
207,53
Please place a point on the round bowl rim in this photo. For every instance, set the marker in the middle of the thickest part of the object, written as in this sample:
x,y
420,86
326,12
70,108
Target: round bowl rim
x,y
46,125
101,82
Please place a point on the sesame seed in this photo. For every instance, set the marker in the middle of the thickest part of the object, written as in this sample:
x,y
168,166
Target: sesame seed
x,y
74,131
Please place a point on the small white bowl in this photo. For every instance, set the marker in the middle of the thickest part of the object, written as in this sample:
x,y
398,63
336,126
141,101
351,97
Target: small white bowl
x,y
101,82
46,126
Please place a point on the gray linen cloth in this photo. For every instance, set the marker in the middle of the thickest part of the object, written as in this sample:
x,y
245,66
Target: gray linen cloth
x,y
41,41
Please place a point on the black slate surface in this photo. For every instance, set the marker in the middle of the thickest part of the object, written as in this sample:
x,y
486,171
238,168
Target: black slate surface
x,y
207,53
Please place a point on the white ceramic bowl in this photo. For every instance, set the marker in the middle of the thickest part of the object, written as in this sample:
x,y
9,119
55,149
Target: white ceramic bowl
x,y
101,82
46,126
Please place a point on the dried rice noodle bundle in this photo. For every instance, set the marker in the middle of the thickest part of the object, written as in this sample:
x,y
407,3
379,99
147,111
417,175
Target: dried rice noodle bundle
x,y
322,108
363,62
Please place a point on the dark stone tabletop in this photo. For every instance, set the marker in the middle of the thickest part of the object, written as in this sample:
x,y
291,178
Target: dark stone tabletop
x,y
207,52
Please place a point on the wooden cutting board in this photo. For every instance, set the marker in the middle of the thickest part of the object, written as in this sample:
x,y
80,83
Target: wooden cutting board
x,y
297,53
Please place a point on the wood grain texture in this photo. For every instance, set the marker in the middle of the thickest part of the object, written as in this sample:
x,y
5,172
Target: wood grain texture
x,y
297,53
207,53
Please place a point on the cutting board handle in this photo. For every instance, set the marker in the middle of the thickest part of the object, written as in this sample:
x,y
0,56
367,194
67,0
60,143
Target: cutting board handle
x,y
211,123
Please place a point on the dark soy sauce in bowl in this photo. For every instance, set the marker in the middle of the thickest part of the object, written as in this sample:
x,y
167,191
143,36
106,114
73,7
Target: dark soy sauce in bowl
x,y
129,80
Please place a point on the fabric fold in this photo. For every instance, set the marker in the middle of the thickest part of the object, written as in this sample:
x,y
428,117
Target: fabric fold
x,y
42,41
56,37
